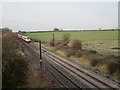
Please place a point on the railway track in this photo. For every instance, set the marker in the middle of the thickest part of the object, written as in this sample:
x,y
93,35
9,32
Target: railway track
x,y
65,84
92,80
74,85
98,83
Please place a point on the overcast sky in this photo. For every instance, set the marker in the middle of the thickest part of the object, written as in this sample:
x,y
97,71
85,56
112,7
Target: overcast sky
x,y
65,15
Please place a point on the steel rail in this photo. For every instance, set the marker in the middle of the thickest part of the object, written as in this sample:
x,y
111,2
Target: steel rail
x,y
59,72
64,75
58,79
77,69
80,71
74,72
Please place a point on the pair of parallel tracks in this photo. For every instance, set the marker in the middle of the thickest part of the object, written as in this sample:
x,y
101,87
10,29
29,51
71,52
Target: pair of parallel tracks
x,y
106,85
66,64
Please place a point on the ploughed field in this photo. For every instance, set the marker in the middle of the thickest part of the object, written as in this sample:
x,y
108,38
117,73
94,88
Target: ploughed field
x,y
104,42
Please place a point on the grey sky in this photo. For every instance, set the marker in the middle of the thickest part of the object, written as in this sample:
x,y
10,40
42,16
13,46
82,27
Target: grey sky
x,y
66,15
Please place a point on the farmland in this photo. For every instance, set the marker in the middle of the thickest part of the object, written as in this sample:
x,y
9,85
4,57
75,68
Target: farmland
x,y
80,35
101,41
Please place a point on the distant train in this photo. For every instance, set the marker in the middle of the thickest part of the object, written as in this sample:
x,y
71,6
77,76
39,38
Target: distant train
x,y
25,38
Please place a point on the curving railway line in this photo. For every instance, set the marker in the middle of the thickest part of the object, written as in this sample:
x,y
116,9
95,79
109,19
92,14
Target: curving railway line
x,y
71,74
98,82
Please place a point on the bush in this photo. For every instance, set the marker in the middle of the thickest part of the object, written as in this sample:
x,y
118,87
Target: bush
x,y
78,54
94,62
51,43
66,39
14,72
113,67
59,42
58,45
69,52
92,51
76,45
14,65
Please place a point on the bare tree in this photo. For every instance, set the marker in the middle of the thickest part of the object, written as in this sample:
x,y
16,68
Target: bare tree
x,y
76,45
66,39
56,29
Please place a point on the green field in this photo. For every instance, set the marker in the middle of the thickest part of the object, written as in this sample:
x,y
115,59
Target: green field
x,y
101,41
81,35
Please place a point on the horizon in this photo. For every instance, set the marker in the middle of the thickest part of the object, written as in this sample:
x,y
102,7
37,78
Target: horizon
x,y
110,29
38,30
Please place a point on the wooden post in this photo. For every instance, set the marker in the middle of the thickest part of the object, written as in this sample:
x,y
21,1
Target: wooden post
x,y
40,54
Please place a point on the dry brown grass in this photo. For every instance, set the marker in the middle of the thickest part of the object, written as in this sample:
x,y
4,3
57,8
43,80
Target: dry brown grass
x,y
94,60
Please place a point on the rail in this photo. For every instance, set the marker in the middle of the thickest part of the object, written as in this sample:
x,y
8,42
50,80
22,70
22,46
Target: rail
x,y
84,74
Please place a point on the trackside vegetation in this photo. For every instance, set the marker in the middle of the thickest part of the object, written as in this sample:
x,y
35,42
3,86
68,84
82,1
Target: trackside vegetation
x,y
104,42
14,66
19,67
97,50
107,64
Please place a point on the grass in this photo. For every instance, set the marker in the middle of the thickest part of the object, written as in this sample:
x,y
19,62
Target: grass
x,y
102,46
101,41
84,61
80,60
80,35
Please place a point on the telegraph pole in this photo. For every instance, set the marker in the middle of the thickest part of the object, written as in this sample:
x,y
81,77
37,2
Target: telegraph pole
x,y
53,40
40,53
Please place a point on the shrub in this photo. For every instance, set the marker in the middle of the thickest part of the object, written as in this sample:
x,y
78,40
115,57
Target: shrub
x,y
59,42
78,54
14,65
94,62
113,67
66,39
51,43
69,52
14,72
76,45
92,51
58,45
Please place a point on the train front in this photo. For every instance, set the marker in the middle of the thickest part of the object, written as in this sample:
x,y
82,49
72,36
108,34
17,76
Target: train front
x,y
28,39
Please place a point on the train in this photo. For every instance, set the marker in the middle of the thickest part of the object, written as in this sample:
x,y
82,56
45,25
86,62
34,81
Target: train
x,y
25,38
